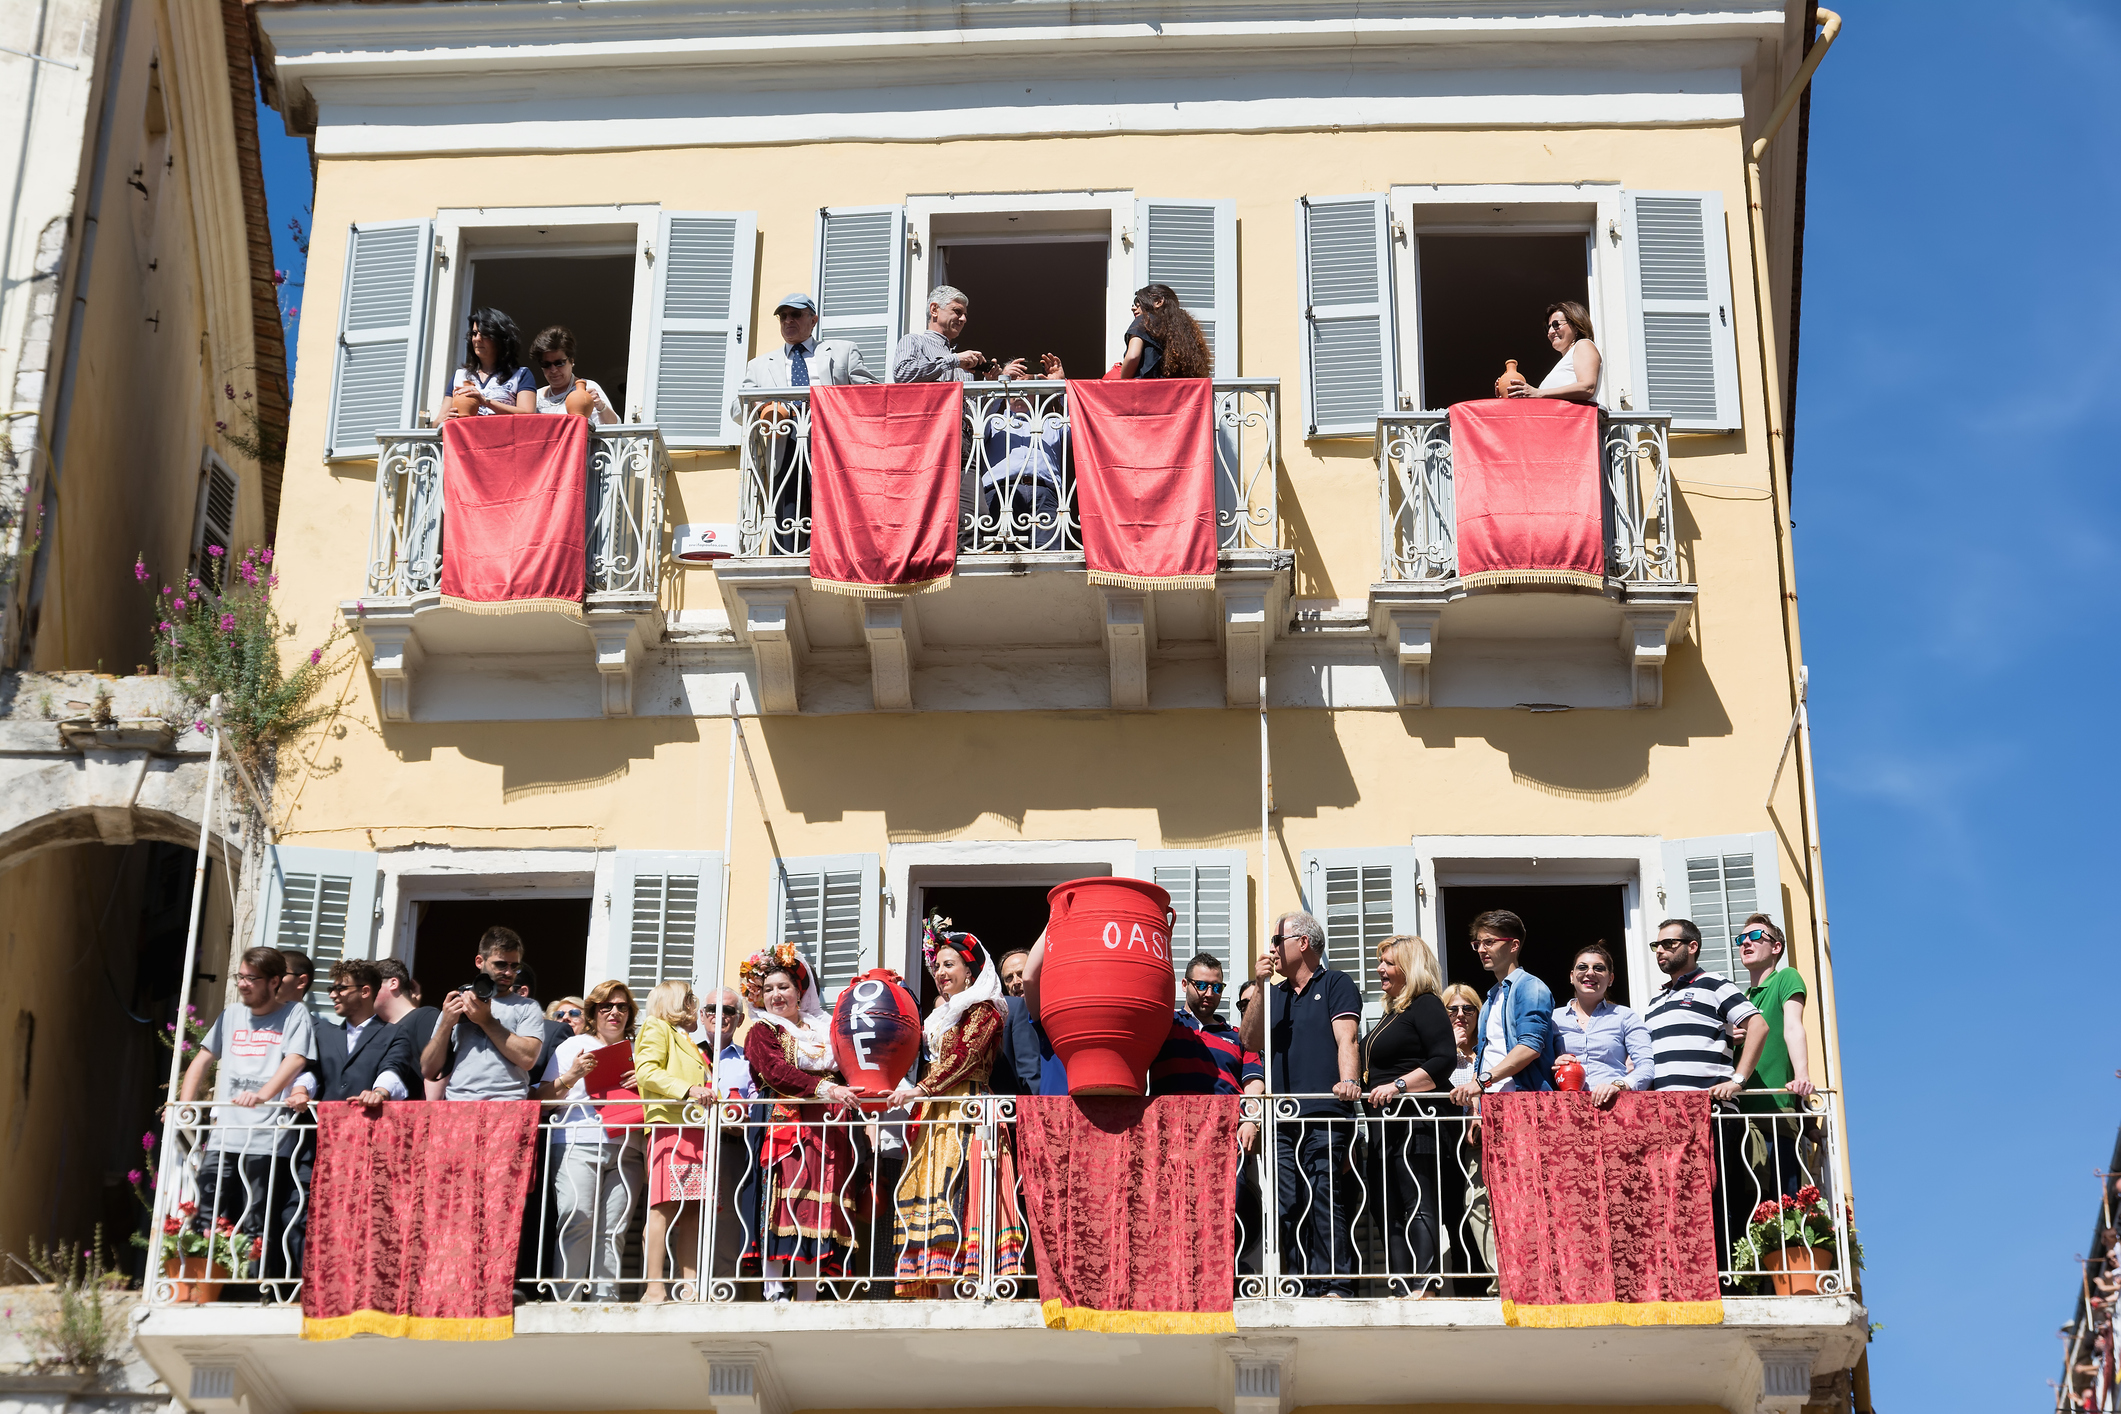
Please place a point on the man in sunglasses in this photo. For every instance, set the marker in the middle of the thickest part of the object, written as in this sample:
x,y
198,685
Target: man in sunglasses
x,y
1202,1055
1778,991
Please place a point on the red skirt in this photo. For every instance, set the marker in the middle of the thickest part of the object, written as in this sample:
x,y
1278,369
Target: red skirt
x,y
677,1165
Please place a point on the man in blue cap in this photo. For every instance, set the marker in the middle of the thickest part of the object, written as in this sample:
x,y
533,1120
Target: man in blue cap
x,y
801,361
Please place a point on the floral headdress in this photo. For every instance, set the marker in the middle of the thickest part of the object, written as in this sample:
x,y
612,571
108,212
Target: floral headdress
x,y
936,934
752,972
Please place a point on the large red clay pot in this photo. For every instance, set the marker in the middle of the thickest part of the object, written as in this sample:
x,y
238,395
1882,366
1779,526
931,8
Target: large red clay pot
x,y
1105,992
876,1033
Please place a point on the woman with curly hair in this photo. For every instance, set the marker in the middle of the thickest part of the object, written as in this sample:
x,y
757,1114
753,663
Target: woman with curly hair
x,y
493,380
1164,341
938,1215
808,1161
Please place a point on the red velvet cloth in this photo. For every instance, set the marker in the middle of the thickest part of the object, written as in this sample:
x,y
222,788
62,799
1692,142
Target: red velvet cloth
x,y
1603,1217
1145,480
1526,475
415,1213
1133,1206
885,461
514,512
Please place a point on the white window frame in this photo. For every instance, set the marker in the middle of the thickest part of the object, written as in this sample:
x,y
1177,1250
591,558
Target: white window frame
x,y
1414,209
415,876
460,233
921,212
982,864
1517,861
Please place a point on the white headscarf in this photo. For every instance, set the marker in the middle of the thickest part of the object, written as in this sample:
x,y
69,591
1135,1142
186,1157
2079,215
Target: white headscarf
x,y
986,987
813,1034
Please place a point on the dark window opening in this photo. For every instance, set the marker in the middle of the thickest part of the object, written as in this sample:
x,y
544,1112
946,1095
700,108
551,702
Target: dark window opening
x,y
1026,298
555,933
1483,302
592,295
1003,917
1557,919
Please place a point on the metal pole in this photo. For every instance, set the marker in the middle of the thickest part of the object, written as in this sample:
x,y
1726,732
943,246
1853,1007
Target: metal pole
x,y
720,979
1269,1246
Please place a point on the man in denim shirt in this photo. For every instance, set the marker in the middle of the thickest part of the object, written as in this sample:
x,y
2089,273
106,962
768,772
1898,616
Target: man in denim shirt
x,y
1516,1020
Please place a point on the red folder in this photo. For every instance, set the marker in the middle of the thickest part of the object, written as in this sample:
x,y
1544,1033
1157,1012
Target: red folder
x,y
607,1081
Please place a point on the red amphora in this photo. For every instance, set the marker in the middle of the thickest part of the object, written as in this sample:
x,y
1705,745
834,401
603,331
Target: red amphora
x,y
876,1033
1105,988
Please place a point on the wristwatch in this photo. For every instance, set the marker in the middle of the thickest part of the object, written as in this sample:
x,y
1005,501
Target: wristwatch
x,y
1400,1085
1484,1079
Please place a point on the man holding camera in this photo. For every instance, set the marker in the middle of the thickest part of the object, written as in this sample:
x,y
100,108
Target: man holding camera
x,y
495,1034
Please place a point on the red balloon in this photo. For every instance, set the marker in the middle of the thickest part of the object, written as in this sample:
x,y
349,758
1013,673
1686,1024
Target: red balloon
x,y
1105,995
1569,1076
876,1033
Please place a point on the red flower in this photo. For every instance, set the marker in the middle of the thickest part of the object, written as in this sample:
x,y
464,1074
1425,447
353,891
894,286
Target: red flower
x,y
171,1226
1788,1202
1808,1195
1765,1213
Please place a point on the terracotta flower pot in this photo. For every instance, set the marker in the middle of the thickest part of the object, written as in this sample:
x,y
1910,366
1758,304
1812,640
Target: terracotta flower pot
x,y
1511,378
197,1280
876,1033
1105,992
1786,1263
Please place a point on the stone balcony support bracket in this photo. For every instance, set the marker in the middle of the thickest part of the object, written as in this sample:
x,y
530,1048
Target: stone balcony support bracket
x,y
218,1380
740,1380
1649,624
1412,644
1785,1376
893,634
394,655
773,625
1130,636
1260,1371
618,644
1246,633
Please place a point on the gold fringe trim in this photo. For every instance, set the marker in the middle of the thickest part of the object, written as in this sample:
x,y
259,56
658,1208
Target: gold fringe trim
x,y
408,1327
1084,1318
1152,581
1575,578
568,607
878,591
1616,1313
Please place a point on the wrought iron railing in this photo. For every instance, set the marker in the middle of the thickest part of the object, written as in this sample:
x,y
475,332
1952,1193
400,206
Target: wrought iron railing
x,y
1360,1204
627,467
1417,507
1016,491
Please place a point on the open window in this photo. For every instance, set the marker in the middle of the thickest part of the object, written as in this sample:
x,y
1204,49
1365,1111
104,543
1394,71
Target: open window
x,y
1035,282
1483,297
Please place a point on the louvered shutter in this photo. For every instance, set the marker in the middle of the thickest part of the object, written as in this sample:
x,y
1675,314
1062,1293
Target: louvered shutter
x,y
859,278
382,322
216,520
666,909
1350,363
1717,881
1208,903
1363,896
323,902
827,906
1679,289
1192,247
701,305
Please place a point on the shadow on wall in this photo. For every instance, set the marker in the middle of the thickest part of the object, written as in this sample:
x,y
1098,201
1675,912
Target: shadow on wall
x,y
915,769
535,760
1346,467
1600,754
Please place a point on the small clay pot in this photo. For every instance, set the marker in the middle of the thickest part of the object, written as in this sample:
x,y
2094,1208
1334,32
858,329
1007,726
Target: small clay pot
x,y
1511,378
580,401
465,405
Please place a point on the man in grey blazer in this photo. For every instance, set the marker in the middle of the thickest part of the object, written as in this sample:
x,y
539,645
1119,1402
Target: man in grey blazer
x,y
801,361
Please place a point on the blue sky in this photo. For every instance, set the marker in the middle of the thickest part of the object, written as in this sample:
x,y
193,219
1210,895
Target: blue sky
x,y
1960,259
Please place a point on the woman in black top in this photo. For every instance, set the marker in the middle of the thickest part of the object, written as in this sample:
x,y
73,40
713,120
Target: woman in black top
x,y
1164,341
1411,1051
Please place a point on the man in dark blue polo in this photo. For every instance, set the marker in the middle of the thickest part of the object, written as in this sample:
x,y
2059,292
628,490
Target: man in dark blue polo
x,y
1311,1018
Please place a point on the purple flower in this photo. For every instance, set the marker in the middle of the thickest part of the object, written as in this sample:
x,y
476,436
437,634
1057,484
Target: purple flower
x,y
228,623
216,551
360,609
279,277
164,626
198,726
147,1140
139,569
228,390
316,655
177,603
265,556
133,1176
220,427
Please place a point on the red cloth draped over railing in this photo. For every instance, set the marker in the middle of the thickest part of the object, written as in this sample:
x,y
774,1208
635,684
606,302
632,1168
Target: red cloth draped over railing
x,y
885,461
514,513
416,1210
1133,1207
1526,478
1145,480
1603,1217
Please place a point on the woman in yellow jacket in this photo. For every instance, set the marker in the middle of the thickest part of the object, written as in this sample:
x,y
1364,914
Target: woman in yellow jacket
x,y
667,1066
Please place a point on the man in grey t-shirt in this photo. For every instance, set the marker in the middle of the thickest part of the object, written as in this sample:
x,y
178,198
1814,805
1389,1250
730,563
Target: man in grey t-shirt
x,y
496,1040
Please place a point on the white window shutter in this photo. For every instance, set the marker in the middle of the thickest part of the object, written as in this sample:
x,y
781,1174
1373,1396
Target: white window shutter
x,y
1363,896
1192,247
1718,881
1210,896
382,327
697,321
1679,295
827,905
1349,354
859,279
666,910
214,522
322,901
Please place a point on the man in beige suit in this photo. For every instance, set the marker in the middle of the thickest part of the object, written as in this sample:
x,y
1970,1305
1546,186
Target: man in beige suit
x,y
781,429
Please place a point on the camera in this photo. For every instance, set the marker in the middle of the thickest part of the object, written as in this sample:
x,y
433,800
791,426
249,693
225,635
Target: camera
x,y
481,986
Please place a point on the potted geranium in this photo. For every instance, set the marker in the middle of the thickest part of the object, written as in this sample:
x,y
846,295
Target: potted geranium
x,y
1790,1240
198,1262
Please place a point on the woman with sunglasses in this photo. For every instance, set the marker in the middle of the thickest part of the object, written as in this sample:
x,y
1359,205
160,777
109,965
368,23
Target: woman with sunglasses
x,y
491,383
568,1011
1575,377
668,1066
596,1176
1409,1052
1608,1040
553,354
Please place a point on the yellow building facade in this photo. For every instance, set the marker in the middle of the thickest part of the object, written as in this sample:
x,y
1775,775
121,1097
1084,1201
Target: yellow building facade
x,y
1367,211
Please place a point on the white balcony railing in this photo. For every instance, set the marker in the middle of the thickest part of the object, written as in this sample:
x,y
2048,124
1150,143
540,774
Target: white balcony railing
x,y
1417,505
1016,495
1401,1209
627,467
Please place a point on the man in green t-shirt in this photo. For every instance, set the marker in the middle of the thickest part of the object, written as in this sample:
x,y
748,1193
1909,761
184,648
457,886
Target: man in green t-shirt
x,y
1778,991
